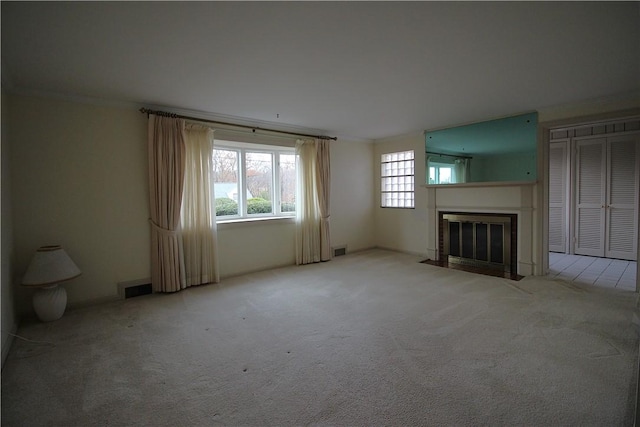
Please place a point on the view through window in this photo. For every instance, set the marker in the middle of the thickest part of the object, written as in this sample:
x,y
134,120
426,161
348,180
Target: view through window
x,y
440,173
253,182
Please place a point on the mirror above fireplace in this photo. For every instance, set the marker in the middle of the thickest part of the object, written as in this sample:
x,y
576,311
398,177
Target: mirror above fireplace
x,y
502,150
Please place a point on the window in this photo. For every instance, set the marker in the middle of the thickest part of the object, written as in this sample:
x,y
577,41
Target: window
x,y
252,180
440,173
397,184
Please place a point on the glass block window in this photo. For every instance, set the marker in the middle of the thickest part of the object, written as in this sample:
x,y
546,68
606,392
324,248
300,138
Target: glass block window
x,y
398,180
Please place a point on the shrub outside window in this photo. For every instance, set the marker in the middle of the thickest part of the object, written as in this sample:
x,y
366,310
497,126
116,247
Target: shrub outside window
x,y
253,181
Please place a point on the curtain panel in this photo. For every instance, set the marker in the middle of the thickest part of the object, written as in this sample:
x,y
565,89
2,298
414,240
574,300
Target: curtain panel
x,y
461,170
166,144
313,235
197,219
323,189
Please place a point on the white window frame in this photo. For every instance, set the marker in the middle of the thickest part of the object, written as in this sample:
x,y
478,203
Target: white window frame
x,y
387,190
437,166
242,148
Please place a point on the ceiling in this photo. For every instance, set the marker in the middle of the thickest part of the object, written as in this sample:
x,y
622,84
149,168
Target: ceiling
x,y
353,69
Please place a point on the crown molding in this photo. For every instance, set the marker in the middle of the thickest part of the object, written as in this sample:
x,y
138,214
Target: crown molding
x,y
205,115
415,134
80,99
349,138
591,106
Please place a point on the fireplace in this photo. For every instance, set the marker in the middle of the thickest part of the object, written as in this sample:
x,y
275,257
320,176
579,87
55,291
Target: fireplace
x,y
483,240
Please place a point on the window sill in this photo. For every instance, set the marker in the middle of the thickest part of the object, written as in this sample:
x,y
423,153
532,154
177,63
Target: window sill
x,y
481,184
257,220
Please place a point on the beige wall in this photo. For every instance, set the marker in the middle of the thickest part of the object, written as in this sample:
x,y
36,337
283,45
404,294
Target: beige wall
x,y
6,252
352,194
402,229
254,246
79,178
258,245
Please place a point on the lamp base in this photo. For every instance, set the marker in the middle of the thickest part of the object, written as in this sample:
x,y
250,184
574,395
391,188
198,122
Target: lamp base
x,y
50,302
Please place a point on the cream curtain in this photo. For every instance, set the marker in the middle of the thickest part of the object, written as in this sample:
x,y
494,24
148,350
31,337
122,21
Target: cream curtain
x,y
461,170
323,187
313,235
166,177
197,219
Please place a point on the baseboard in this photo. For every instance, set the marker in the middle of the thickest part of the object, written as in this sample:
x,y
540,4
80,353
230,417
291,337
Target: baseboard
x,y
419,254
525,268
256,270
6,345
355,251
92,302
636,418
274,267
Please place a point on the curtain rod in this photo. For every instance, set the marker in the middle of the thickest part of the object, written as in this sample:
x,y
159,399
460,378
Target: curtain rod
x,y
449,155
253,128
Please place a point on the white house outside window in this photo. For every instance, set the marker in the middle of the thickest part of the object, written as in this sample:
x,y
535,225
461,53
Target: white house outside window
x,y
252,180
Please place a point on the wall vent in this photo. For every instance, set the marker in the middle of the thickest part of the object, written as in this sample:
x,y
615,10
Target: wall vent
x,y
339,251
136,291
134,288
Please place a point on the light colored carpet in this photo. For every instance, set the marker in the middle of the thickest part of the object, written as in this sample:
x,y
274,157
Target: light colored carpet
x,y
372,338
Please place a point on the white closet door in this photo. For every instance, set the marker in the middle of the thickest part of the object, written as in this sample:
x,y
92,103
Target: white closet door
x,y
558,204
590,196
622,197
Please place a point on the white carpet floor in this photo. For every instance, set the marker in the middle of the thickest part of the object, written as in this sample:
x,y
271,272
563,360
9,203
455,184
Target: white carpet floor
x,y
369,339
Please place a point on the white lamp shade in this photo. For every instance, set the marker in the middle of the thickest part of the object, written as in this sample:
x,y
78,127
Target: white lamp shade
x,y
50,265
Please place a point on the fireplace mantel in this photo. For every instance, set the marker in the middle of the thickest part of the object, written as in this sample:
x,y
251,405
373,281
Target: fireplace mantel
x,y
503,197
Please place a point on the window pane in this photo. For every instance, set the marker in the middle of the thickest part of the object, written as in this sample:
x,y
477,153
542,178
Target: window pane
x,y
287,183
225,178
397,179
259,178
445,175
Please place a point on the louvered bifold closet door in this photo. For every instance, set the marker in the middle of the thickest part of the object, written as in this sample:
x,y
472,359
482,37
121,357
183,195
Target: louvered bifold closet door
x,y
622,197
590,196
558,196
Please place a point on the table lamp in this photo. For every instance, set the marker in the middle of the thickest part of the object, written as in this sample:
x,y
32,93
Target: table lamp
x,y
50,266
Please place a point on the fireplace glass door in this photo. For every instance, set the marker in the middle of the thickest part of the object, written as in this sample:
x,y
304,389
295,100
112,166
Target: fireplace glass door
x,y
477,239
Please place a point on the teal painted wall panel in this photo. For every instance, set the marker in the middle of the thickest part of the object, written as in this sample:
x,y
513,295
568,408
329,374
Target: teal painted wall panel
x,y
500,150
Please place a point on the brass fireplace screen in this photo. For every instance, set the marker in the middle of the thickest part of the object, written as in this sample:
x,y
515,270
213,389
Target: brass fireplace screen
x,y
486,240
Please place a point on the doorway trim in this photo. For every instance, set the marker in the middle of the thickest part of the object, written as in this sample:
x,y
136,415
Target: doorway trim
x,y
544,137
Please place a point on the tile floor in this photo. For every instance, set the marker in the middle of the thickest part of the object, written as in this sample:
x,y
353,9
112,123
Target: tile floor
x,y
605,272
